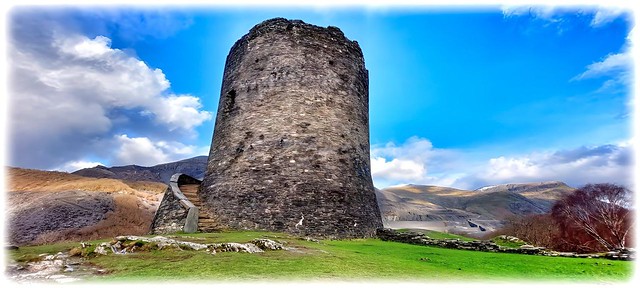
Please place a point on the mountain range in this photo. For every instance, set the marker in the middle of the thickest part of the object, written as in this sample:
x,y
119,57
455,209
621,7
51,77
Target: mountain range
x,y
474,212
194,167
465,211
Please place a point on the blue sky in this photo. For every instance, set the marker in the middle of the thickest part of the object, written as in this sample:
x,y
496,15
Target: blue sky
x,y
462,98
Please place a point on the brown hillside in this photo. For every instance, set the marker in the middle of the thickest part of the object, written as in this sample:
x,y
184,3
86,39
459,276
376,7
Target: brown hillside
x,y
19,179
49,206
449,209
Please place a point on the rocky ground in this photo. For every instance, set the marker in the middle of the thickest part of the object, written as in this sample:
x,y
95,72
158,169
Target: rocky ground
x,y
70,266
58,268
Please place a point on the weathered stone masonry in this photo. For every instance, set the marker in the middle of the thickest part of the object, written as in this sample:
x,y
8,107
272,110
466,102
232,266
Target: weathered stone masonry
x,y
290,150
176,213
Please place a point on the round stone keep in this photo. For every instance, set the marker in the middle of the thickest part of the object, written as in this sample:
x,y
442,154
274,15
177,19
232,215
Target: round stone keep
x,y
290,149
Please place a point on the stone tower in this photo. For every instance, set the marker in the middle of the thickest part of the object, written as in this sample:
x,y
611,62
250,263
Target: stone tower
x,y
290,150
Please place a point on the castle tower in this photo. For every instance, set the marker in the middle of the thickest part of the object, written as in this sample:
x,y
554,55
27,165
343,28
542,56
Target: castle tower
x,y
290,150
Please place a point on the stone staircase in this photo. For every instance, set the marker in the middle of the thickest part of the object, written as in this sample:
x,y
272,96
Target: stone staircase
x,y
205,223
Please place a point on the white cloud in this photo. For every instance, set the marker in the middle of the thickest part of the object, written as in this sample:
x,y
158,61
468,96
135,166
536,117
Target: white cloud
x,y
139,151
181,150
72,166
417,161
605,15
502,168
70,94
145,152
555,14
610,65
615,68
94,72
543,12
578,166
404,171
180,111
84,48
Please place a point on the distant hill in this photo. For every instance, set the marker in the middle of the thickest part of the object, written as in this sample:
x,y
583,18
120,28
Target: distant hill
x,y
194,167
441,208
544,194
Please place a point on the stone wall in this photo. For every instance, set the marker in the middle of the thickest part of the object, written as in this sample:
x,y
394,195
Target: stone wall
x,y
290,150
489,246
176,213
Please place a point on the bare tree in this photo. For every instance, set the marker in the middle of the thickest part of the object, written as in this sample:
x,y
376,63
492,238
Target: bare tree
x,y
539,230
602,211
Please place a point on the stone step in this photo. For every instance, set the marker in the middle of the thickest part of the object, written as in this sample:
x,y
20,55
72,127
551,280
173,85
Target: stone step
x,y
208,229
188,191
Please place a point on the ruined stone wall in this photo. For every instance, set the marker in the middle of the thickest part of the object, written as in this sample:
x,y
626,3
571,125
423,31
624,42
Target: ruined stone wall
x,y
176,213
290,150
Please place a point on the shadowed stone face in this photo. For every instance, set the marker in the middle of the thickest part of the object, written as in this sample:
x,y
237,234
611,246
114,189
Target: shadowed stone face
x,y
290,150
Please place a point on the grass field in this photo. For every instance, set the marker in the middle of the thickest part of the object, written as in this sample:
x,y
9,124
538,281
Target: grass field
x,y
368,260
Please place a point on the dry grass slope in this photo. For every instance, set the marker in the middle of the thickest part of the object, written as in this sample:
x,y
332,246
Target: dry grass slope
x,y
20,179
135,202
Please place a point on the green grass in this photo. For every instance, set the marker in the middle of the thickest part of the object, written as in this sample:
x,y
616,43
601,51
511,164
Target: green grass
x,y
368,260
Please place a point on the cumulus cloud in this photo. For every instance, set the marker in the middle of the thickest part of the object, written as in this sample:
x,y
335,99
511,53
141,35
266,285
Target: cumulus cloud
x,y
397,169
70,94
72,166
414,161
145,152
417,161
579,166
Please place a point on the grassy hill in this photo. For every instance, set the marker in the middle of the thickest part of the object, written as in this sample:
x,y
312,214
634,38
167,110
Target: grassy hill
x,y
361,260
